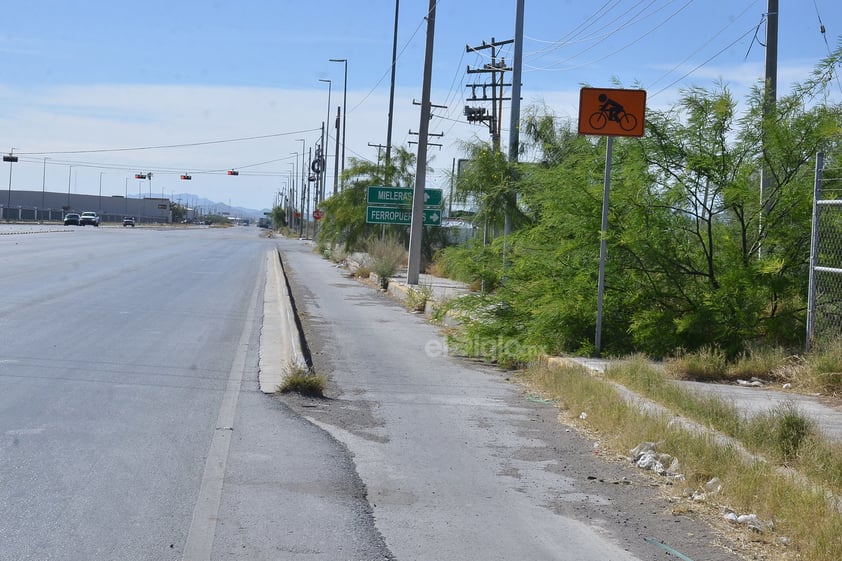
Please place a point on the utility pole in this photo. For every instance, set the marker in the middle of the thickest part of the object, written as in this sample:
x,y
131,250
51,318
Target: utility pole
x,y
517,71
770,98
514,120
429,134
494,67
392,98
380,148
336,151
416,229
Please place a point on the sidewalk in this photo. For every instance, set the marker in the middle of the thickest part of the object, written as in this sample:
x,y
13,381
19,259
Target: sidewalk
x,y
825,412
755,400
442,289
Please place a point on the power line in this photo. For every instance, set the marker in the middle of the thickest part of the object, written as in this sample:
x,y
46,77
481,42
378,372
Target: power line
x,y
597,37
575,31
824,36
554,66
703,45
388,72
167,146
725,48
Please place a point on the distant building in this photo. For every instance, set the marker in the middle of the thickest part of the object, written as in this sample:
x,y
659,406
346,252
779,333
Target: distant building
x,y
52,206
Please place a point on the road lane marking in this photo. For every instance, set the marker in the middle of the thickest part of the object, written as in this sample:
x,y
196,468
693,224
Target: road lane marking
x,y
199,543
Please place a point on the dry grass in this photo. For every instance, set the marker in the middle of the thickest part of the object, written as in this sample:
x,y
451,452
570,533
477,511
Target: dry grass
x,y
388,255
706,364
417,298
303,381
818,372
796,500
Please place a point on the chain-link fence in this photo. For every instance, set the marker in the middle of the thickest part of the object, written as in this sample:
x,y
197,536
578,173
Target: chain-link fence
x,y
824,308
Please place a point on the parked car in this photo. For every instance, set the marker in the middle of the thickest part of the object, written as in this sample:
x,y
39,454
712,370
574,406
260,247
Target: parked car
x,y
128,221
71,218
91,218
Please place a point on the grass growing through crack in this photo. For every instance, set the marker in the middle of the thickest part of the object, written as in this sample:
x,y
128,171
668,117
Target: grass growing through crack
x,y
303,381
783,434
798,501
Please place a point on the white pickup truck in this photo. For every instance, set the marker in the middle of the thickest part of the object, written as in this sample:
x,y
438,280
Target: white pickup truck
x,y
91,218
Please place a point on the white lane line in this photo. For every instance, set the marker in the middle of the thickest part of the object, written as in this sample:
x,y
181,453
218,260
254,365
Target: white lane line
x,y
200,537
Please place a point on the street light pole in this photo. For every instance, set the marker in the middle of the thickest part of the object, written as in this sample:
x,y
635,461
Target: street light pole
x,y
303,170
325,135
44,186
294,189
11,158
344,111
100,194
69,176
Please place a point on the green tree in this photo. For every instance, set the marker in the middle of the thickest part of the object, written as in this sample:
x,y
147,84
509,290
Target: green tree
x,y
345,213
179,212
489,183
692,261
278,217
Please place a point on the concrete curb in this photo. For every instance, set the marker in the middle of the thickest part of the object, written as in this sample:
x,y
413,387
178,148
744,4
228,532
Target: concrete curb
x,y
280,341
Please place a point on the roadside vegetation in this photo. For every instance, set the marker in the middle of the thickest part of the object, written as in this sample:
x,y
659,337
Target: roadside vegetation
x,y
791,480
387,256
695,261
701,275
303,381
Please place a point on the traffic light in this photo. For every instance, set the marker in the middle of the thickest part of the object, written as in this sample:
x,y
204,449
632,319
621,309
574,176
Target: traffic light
x,y
10,158
140,176
233,172
475,114
186,177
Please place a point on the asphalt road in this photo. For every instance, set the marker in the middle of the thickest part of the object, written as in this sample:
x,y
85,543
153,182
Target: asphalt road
x,y
458,463
131,425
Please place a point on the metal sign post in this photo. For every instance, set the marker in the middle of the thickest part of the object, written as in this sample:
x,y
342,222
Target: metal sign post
x,y
609,112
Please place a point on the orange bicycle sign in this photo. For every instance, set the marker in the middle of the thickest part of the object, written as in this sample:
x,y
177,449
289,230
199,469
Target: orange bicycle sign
x,y
612,112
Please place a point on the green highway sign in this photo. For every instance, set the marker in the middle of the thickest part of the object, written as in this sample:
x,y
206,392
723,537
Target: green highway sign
x,y
402,196
393,215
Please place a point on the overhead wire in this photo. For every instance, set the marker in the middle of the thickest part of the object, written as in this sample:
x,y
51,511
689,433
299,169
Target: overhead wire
x,y
719,52
166,146
389,71
703,45
640,17
602,33
573,32
824,36
605,31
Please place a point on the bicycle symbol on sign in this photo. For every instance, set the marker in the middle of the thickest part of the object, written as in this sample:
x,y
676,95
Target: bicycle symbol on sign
x,y
610,110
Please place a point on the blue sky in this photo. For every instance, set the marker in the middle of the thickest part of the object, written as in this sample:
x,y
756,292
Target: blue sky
x,y
110,75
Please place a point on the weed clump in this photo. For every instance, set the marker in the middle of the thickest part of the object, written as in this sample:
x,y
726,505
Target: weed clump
x,y
387,256
303,381
417,298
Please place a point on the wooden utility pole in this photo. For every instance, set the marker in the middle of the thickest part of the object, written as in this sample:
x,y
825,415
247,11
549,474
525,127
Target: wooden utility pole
x,y
517,71
416,229
494,67
392,97
770,99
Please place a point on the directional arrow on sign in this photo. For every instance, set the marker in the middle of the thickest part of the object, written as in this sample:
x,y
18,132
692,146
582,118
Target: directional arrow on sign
x,y
402,196
393,215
